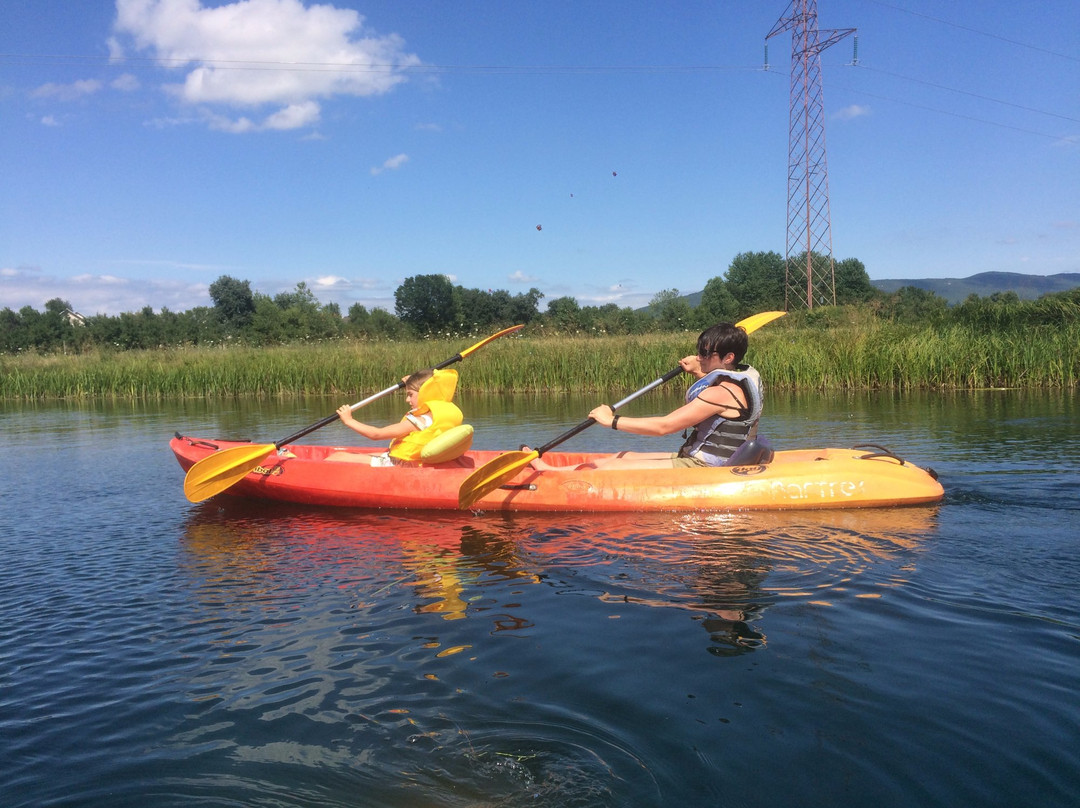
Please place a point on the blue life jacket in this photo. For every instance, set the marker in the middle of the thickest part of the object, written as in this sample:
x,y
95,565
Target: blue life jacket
x,y
716,438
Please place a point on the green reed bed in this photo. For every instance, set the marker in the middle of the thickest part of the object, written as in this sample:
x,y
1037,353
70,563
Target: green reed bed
x,y
864,355
884,356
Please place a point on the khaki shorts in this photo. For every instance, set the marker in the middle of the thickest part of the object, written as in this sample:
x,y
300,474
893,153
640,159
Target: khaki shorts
x,y
686,462
385,461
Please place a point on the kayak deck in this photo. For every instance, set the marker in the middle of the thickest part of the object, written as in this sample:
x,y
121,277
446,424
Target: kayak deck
x,y
859,477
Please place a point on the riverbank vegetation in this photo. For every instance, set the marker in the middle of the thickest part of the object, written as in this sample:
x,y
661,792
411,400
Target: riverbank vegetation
x,y
249,344
842,348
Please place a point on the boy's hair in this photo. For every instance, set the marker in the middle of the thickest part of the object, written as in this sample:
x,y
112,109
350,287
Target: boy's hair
x,y
723,338
416,379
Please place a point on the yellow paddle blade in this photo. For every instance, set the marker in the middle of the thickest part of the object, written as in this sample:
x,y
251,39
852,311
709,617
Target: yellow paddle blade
x,y
756,321
491,475
216,472
484,342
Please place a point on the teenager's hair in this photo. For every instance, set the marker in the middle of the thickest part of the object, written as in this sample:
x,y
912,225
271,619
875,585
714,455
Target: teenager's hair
x,y
723,338
416,379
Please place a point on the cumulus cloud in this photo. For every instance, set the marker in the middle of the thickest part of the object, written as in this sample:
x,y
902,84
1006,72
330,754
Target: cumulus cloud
x,y
68,92
262,53
520,277
331,282
114,294
394,163
852,111
125,83
293,116
91,294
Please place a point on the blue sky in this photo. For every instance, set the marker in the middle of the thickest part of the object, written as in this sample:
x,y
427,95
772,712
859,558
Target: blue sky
x,y
602,150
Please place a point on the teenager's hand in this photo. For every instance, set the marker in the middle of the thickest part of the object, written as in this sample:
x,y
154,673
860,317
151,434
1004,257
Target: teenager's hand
x,y
691,365
602,414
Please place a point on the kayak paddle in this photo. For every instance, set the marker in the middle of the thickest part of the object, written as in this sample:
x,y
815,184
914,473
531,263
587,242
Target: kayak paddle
x,y
505,467
223,469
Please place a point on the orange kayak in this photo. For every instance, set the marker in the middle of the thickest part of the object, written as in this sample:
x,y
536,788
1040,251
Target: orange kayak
x,y
860,477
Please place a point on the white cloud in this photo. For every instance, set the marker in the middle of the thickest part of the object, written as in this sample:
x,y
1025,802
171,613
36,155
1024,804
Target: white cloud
x,y
98,294
394,163
293,116
50,120
253,53
852,111
114,294
125,83
330,282
520,277
67,92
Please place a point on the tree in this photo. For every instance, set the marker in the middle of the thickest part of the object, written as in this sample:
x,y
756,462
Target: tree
x,y
564,314
300,298
522,308
756,281
12,334
671,311
852,283
474,308
233,301
717,304
426,303
910,304
383,324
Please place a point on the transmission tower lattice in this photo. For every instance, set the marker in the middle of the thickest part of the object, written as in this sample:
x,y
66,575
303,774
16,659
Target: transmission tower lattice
x,y
809,267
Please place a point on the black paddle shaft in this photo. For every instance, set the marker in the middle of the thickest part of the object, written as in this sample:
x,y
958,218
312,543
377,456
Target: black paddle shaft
x,y
547,447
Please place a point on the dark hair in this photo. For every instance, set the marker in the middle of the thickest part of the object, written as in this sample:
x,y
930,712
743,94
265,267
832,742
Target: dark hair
x,y
723,338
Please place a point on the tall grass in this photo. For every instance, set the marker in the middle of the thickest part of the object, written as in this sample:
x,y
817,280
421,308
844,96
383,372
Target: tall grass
x,y
838,356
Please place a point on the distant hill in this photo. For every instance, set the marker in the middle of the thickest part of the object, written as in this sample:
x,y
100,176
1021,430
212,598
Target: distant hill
x,y
956,290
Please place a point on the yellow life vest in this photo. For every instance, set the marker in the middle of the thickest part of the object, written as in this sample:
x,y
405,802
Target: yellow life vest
x,y
434,398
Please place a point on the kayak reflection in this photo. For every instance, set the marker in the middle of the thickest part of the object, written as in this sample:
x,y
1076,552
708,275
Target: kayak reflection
x,y
724,569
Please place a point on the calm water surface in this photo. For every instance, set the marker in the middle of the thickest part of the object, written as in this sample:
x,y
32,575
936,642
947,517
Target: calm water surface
x,y
232,653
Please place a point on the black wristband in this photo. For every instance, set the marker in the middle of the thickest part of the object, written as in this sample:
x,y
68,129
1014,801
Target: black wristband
x,y
615,423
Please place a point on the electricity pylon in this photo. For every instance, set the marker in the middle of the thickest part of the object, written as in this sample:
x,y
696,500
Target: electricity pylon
x,y
809,274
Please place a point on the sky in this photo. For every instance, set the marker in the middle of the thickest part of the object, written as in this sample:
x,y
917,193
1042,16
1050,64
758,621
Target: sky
x,y
605,150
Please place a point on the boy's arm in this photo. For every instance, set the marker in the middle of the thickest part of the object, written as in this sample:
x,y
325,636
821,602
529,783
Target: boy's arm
x,y
390,432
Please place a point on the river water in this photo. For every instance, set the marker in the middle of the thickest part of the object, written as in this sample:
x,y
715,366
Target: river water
x,y
233,653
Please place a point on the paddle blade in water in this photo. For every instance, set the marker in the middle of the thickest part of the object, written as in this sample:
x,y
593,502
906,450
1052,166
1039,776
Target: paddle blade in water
x,y
215,473
491,475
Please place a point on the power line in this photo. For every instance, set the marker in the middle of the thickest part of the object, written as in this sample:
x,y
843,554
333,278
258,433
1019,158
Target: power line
x,y
345,67
1017,42
1070,138
432,69
968,93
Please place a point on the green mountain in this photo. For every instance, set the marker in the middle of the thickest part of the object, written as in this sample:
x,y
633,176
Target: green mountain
x,y
956,290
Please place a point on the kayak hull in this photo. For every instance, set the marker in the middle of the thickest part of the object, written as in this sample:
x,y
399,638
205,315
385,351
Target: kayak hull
x,y
800,479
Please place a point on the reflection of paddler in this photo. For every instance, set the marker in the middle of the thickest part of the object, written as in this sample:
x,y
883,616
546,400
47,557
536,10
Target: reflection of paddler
x,y
440,582
430,432
446,558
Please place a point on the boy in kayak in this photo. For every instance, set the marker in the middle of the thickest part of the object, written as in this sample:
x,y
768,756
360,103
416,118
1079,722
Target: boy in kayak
x,y
721,412
431,413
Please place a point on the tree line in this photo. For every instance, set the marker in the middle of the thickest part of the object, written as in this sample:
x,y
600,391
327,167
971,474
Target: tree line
x,y
428,305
